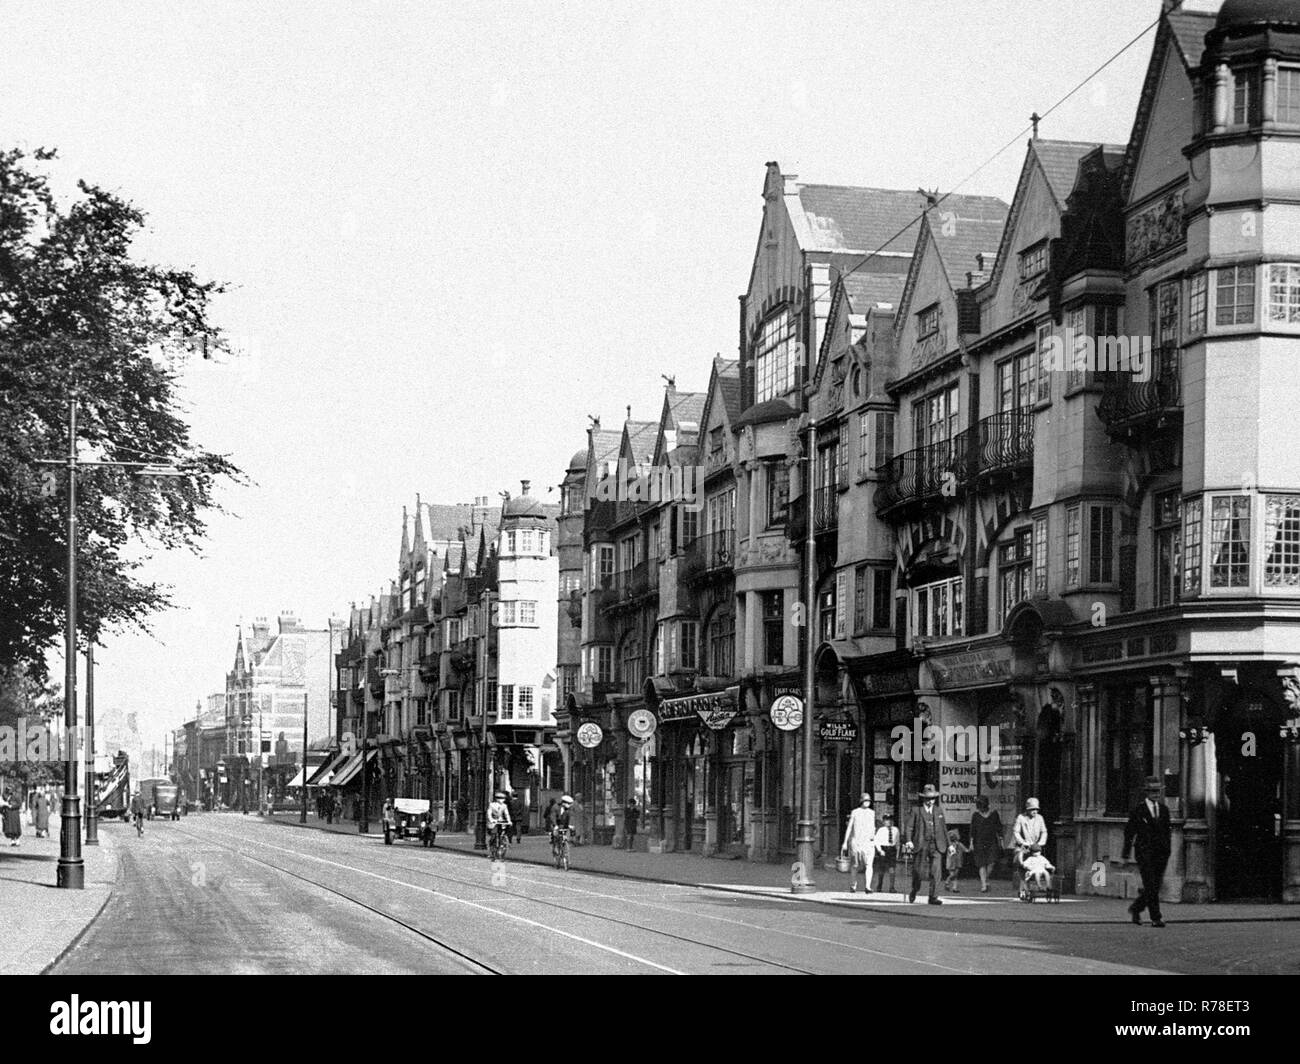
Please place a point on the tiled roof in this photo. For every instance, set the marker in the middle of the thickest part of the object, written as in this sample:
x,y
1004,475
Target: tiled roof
x,y
729,385
605,443
962,231
865,290
641,435
1190,28
845,218
688,406
447,519
1060,162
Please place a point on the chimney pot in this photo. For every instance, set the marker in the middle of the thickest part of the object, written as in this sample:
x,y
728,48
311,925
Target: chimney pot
x,y
523,486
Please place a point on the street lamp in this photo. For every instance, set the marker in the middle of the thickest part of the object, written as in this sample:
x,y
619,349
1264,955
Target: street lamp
x,y
71,870
804,858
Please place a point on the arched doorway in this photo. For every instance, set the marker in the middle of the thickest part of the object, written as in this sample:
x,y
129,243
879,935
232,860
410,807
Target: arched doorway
x,y
1249,752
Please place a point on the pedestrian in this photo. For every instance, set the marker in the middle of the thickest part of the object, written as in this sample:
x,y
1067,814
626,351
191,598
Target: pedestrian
x,y
428,833
41,810
926,840
387,819
548,818
1030,830
462,813
985,838
859,844
578,837
956,855
12,816
886,853
518,815
630,815
1148,833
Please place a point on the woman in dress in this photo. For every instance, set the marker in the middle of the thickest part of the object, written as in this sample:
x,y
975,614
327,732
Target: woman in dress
x,y
13,819
986,839
41,810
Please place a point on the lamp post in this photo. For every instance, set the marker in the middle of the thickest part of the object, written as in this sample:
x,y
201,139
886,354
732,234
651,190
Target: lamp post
x,y
302,815
71,871
92,820
802,882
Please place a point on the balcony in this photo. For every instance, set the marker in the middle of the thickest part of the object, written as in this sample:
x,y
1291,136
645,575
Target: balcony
x,y
999,445
1130,408
632,586
709,557
826,509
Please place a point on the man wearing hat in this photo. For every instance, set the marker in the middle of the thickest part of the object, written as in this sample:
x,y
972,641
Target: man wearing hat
x,y
1149,828
926,840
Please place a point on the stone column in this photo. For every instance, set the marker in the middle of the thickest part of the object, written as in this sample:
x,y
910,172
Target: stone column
x,y
1089,750
1222,98
1268,102
1196,761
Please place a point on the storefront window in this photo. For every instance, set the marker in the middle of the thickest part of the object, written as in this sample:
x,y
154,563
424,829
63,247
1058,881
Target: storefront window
x,y
1128,742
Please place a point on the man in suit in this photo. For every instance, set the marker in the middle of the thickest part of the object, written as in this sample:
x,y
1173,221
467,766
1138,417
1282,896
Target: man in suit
x,y
926,840
1148,832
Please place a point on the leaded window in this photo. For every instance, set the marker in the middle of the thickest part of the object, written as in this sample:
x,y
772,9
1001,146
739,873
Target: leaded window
x,y
1230,541
1284,293
1282,540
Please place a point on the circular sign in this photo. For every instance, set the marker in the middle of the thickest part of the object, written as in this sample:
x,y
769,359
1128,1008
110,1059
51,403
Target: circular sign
x,y
590,735
787,712
641,723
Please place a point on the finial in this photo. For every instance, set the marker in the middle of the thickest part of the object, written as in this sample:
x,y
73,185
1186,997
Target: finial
x,y
1035,118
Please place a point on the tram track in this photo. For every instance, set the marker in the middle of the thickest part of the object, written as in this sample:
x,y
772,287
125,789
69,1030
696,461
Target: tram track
x,y
586,914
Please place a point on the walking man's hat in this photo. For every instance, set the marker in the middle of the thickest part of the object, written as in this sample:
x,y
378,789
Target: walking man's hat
x,y
928,791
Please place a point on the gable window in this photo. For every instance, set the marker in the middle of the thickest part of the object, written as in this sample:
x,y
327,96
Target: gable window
x,y
1234,296
777,476
1168,545
773,627
1284,293
1015,563
1229,541
1288,96
776,357
1033,260
927,322
936,609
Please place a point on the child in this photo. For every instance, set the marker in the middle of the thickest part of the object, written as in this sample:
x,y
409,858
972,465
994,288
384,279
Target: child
x,y
1038,869
957,851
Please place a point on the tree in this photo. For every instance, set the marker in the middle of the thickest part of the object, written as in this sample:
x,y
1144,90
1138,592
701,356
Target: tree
x,y
80,315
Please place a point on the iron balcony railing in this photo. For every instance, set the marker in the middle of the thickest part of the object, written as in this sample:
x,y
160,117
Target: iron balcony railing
x,y
714,552
826,508
1128,404
998,443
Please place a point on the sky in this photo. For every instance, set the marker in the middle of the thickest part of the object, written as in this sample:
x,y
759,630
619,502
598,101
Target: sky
x,y
453,231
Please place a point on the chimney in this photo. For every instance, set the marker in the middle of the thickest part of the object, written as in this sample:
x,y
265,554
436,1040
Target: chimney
x,y
523,486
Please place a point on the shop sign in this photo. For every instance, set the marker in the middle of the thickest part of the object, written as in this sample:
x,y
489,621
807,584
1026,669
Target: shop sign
x,y
958,786
838,731
590,735
641,723
715,710
972,668
787,712
893,682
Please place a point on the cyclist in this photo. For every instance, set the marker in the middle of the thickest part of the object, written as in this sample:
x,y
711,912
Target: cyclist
x,y
137,813
562,817
498,816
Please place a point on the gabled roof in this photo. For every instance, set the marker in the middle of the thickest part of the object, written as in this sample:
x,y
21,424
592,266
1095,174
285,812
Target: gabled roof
x,y
959,231
846,218
724,387
864,290
639,440
680,408
1185,31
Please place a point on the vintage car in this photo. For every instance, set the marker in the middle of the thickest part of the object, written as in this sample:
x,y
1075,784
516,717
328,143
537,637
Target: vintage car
x,y
407,820
166,800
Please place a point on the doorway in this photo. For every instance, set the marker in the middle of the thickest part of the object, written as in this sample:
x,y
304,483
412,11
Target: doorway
x,y
1249,827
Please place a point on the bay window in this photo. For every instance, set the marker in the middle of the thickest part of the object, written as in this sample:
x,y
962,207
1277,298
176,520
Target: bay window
x,y
1229,541
1234,296
1288,96
1282,540
1192,547
1168,562
776,357
1284,293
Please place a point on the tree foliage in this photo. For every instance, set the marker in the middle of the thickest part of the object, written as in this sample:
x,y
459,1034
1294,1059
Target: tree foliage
x,y
79,314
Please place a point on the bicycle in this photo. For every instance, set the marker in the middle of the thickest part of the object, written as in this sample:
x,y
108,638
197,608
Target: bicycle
x,y
560,847
498,842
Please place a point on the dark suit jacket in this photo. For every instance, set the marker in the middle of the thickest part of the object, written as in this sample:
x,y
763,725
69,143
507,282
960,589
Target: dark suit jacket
x,y
1149,836
916,829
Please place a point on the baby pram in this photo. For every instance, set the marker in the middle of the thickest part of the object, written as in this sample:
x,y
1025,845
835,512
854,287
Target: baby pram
x,y
1038,882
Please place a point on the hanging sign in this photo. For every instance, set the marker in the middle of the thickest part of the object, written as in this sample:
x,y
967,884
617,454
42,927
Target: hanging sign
x,y
590,735
787,712
838,731
641,723
715,710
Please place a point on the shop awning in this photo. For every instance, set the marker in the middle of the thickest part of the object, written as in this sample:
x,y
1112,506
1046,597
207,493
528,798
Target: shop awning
x,y
324,773
353,766
296,781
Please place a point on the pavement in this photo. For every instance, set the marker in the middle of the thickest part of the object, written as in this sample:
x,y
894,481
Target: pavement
x,y
740,876
41,922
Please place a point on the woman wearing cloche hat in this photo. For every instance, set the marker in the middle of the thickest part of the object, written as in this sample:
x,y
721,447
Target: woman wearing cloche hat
x,y
1030,829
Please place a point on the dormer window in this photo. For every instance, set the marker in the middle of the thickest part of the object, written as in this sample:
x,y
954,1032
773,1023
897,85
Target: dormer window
x,y
1033,261
927,322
